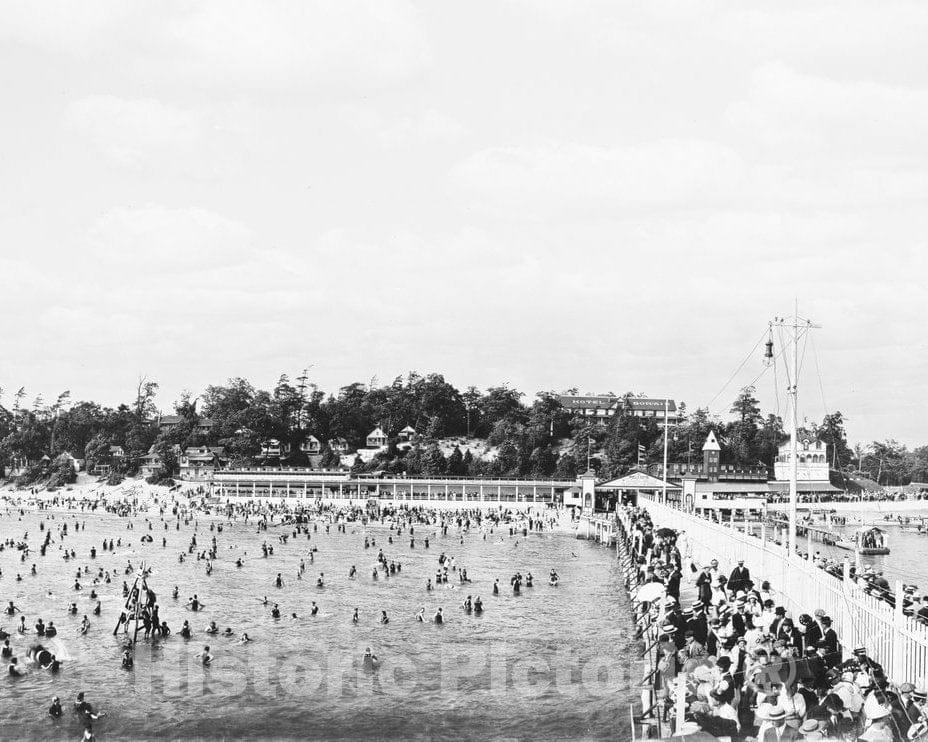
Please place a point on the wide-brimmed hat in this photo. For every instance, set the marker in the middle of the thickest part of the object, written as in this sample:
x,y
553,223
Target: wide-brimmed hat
x,y
809,725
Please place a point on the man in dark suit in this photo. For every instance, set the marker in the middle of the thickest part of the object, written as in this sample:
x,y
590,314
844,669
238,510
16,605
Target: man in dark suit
x,y
814,630
922,614
778,731
789,634
830,712
699,624
712,638
673,583
830,637
741,621
780,613
704,585
739,579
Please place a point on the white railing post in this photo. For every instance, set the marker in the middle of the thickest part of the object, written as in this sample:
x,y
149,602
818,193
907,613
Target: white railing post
x,y
900,644
898,663
847,629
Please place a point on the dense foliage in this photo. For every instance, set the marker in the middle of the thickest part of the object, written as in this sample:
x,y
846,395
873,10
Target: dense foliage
x,y
490,432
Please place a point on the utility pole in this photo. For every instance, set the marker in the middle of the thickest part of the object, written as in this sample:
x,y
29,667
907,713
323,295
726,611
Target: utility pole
x,y
664,472
800,327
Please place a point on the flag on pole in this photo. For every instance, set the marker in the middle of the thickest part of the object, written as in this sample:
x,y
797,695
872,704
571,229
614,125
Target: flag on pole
x,y
641,455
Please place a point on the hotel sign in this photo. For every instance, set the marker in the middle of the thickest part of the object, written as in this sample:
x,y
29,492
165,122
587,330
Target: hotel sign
x,y
651,404
588,401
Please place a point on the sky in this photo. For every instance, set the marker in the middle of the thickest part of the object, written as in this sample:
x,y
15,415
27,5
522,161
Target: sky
x,y
612,196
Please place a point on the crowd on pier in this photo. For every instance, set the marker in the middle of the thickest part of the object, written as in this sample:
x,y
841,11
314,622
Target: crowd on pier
x,y
747,667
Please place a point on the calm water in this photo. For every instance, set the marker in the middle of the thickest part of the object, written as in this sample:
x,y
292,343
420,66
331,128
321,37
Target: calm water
x,y
908,557
552,663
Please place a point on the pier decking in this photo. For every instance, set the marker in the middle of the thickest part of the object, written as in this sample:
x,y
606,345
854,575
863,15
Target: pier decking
x,y
897,641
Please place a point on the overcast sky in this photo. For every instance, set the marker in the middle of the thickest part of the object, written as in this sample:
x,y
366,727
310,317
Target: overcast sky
x,y
611,196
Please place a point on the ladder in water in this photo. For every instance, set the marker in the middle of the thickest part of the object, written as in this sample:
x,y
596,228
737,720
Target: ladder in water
x,y
136,608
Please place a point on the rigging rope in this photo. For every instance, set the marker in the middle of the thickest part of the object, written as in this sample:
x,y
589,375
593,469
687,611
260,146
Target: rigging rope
x,y
737,370
818,371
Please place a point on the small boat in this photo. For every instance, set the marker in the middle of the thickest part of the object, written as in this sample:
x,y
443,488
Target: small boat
x,y
867,542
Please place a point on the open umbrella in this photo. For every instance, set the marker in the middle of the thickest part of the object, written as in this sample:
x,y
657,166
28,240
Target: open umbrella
x,y
650,591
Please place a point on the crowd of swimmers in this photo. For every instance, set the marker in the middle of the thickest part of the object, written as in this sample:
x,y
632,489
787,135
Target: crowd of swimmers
x,y
140,613
749,668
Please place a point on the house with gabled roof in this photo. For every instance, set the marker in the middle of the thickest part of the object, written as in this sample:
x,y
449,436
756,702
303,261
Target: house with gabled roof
x,y
168,422
205,426
311,446
339,445
377,438
199,462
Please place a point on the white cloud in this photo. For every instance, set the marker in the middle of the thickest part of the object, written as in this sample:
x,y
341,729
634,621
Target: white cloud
x,y
153,239
569,175
324,41
243,43
134,132
64,26
786,109
151,136
428,127
864,32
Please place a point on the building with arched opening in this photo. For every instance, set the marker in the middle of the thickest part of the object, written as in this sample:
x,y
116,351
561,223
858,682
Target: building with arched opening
x,y
811,462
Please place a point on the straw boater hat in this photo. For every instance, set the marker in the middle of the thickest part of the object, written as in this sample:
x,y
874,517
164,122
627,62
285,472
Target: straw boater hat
x,y
776,714
809,725
702,673
920,693
907,688
668,628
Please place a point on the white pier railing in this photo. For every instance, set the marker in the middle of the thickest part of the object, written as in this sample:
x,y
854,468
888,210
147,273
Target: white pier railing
x,y
897,641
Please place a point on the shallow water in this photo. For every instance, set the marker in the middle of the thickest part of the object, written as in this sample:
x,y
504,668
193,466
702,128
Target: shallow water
x,y
908,550
552,663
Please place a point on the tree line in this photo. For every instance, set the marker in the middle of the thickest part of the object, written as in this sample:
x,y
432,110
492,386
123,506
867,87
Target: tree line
x,y
537,437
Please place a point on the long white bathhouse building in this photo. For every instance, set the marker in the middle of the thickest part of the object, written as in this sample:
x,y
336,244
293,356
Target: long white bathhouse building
x,y
451,492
